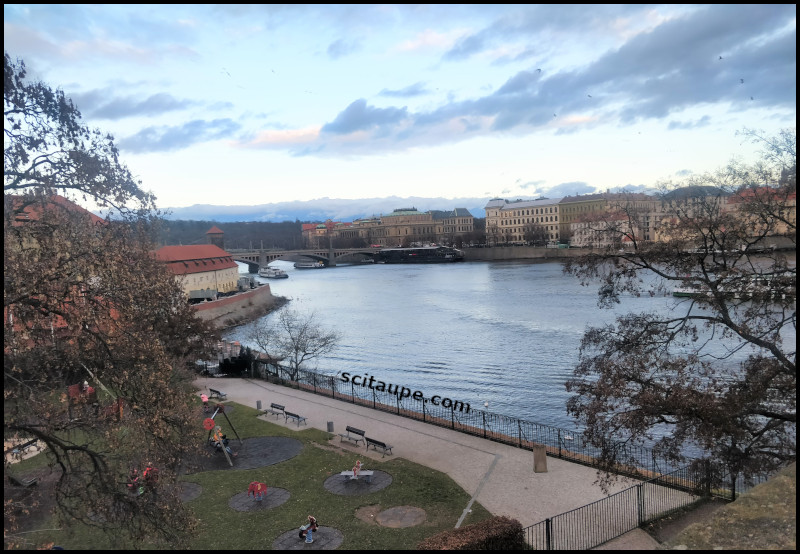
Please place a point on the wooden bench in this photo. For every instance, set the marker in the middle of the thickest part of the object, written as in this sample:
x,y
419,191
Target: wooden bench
x,y
348,475
276,410
356,437
295,417
23,448
217,394
378,444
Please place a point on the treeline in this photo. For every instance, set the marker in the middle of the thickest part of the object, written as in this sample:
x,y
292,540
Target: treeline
x,y
238,234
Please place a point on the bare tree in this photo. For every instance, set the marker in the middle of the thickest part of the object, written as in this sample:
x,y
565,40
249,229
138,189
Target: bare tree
x,y
293,340
535,234
85,300
717,372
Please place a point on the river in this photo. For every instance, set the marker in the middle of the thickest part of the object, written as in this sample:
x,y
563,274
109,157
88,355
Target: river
x,y
506,333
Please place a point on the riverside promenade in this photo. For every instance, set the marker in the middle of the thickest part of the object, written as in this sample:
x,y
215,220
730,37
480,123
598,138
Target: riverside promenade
x,y
498,476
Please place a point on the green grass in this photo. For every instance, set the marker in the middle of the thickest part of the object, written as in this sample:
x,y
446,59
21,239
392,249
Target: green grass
x,y
224,528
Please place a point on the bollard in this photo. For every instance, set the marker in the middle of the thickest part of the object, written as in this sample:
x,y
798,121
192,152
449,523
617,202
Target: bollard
x,y
330,427
539,458
258,404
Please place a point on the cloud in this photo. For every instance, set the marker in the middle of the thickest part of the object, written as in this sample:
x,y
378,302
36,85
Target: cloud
x,y
100,104
417,89
358,116
340,48
662,67
166,139
702,122
568,189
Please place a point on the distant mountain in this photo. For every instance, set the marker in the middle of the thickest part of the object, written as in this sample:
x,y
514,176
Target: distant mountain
x,y
320,209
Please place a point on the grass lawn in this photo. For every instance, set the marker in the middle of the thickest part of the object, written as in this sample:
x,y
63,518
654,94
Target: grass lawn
x,y
303,476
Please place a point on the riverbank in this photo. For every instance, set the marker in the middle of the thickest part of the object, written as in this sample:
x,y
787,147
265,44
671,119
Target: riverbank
x,y
241,308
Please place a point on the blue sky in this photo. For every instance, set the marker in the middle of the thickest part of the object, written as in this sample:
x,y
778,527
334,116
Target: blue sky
x,y
233,105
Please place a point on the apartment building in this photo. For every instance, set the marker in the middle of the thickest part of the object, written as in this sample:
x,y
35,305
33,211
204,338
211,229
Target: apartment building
x,y
517,221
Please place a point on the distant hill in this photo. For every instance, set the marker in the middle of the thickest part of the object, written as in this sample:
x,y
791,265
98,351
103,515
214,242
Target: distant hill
x,y
320,209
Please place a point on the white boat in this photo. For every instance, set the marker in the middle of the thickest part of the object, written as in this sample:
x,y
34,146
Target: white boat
x,y
272,273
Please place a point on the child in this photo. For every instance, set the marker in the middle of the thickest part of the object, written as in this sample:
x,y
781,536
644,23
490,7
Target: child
x,y
204,398
311,526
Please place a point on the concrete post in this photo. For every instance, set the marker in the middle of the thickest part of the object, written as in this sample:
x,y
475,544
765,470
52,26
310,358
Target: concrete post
x,y
539,458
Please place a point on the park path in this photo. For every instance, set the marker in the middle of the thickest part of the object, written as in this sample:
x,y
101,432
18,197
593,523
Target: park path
x,y
498,476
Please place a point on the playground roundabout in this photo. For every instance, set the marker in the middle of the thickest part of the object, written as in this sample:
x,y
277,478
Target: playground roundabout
x,y
325,538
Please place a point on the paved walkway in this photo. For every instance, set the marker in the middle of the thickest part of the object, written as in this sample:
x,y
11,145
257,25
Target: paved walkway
x,y
498,476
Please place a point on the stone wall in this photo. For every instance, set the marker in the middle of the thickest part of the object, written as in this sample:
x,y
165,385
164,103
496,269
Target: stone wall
x,y
241,308
498,253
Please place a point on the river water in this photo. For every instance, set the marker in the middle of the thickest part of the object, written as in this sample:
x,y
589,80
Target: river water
x,y
506,333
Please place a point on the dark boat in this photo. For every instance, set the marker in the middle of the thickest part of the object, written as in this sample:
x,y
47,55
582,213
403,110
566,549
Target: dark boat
x,y
309,265
419,255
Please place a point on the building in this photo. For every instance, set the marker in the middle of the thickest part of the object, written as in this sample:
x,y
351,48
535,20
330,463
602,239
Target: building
x,y
575,208
205,271
41,212
402,227
216,236
522,221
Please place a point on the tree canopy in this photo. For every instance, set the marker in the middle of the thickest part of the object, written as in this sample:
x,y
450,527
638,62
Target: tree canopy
x,y
717,372
86,301
293,341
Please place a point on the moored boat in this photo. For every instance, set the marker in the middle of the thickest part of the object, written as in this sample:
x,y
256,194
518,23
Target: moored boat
x,y
309,265
419,255
272,273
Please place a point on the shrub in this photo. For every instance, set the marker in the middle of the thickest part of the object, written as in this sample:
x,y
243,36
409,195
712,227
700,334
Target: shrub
x,y
497,533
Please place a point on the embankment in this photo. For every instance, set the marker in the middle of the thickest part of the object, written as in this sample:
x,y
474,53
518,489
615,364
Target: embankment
x,y
241,308
501,253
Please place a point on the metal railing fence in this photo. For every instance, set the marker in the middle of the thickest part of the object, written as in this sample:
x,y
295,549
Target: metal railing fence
x,y
608,518
559,443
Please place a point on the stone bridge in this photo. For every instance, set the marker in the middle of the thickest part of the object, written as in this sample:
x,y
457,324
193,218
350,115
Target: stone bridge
x,y
330,257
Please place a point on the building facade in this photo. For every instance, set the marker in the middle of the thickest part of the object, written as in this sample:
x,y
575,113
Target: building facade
x,y
203,270
522,221
402,227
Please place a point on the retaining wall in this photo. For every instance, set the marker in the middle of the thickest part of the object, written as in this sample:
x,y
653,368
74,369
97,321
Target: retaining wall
x,y
241,308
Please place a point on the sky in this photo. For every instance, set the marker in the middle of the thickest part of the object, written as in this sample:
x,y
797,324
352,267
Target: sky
x,y
247,105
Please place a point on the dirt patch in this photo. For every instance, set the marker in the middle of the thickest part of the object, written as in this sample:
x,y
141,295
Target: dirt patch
x,y
669,527
330,448
401,517
369,513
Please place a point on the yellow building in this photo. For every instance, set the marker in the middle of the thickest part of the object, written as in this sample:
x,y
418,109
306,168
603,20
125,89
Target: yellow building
x,y
204,270
515,222
399,228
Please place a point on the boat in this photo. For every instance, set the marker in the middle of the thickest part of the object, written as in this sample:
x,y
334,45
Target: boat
x,y
419,255
309,265
272,273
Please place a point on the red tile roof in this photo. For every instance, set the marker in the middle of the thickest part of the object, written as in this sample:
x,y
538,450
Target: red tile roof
x,y
196,258
214,231
34,211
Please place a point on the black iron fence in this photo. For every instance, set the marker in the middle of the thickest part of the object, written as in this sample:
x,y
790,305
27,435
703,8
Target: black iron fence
x,y
606,519
559,443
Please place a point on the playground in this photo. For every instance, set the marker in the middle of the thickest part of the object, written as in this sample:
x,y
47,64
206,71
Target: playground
x,y
297,473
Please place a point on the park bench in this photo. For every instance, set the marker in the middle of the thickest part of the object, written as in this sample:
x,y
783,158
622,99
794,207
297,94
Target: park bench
x,y
295,417
356,437
348,475
23,448
276,410
217,394
378,444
